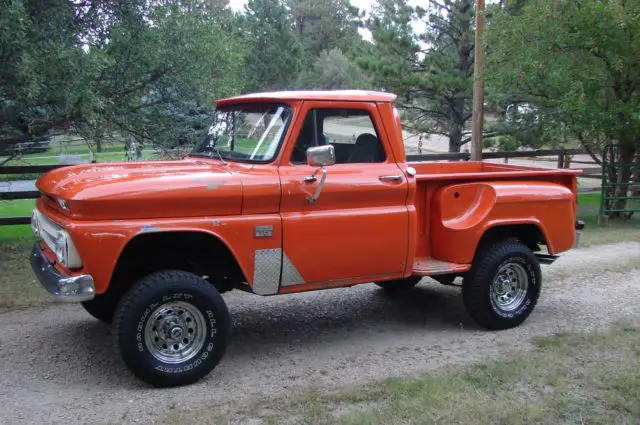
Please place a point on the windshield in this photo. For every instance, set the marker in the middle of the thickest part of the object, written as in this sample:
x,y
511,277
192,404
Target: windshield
x,y
249,133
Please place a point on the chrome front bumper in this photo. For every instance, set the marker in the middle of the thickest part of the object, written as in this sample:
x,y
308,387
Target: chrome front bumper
x,y
63,287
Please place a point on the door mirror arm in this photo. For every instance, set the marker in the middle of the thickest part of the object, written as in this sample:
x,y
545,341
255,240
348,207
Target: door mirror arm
x,y
321,156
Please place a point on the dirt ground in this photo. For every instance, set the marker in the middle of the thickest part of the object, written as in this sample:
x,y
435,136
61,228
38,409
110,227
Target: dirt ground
x,y
58,364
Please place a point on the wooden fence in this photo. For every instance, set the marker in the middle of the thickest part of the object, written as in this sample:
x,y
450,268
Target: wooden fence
x,y
562,157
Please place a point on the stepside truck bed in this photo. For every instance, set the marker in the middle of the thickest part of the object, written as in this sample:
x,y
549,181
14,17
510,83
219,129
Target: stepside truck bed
x,y
456,203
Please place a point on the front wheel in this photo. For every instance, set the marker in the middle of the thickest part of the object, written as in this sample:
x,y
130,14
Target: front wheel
x,y
171,328
503,285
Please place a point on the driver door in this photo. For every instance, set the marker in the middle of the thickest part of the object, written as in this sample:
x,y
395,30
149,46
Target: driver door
x,y
357,230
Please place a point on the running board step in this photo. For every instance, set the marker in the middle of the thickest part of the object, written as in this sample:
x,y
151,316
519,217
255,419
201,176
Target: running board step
x,y
546,258
431,267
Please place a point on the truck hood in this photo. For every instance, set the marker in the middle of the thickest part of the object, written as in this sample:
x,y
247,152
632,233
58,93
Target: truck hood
x,y
152,189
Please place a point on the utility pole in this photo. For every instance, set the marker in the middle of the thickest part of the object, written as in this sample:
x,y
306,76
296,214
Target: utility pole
x,y
477,115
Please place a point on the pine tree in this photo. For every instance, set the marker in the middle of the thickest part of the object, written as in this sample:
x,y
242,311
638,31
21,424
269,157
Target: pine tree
x,y
431,71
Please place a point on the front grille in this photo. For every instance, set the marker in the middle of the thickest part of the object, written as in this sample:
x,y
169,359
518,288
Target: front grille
x,y
47,228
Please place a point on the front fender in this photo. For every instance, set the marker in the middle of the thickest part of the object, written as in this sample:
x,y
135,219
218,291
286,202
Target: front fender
x,y
100,243
463,213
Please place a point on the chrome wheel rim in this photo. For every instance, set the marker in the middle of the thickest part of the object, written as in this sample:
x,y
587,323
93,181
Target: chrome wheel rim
x,y
509,287
175,332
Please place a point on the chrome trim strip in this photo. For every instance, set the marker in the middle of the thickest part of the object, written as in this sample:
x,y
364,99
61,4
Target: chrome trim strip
x,y
61,286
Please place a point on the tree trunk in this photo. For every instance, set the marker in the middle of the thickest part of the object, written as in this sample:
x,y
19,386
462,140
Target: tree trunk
x,y
455,137
465,65
636,176
625,159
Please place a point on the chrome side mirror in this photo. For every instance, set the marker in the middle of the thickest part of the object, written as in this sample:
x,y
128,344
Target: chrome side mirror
x,y
319,156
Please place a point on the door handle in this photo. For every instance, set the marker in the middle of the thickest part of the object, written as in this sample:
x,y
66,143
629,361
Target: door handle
x,y
314,198
395,178
310,179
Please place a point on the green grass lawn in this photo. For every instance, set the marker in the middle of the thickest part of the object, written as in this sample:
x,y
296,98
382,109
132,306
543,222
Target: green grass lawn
x,y
17,208
52,158
615,231
110,153
589,199
60,145
246,146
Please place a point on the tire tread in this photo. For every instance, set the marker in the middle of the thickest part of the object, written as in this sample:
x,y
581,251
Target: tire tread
x,y
150,283
474,290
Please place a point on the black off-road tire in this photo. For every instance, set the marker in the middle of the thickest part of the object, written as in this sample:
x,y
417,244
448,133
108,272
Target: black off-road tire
x,y
399,284
495,263
102,307
169,300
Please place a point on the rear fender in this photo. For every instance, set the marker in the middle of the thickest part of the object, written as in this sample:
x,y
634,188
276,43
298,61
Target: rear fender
x,y
464,213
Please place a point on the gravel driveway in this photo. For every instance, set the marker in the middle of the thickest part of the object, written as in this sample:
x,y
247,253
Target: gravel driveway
x,y
58,365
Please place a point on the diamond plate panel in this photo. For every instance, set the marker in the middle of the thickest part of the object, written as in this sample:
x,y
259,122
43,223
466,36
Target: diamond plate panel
x,y
266,271
290,275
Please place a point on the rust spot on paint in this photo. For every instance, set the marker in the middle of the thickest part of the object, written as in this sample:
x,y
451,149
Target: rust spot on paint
x,y
213,185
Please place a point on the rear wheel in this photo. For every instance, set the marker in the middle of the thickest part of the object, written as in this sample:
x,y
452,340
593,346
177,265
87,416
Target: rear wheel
x,y
399,284
171,328
503,286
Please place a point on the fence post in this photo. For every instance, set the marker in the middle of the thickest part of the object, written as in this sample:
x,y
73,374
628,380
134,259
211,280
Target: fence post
x,y
561,159
635,191
603,219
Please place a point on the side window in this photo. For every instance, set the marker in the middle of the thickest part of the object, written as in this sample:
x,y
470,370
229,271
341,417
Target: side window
x,y
350,131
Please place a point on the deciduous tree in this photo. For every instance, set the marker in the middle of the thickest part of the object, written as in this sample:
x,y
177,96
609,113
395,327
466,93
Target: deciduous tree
x,y
577,62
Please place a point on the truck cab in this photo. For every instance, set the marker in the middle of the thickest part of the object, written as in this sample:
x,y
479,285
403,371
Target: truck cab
x,y
289,192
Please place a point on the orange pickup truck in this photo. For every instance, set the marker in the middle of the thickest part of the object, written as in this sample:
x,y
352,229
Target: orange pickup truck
x,y
289,192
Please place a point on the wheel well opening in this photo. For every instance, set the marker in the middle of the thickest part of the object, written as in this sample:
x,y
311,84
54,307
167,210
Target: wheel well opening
x,y
528,234
198,253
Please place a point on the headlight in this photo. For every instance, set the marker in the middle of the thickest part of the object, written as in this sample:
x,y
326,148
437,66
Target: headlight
x,y
60,248
65,251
